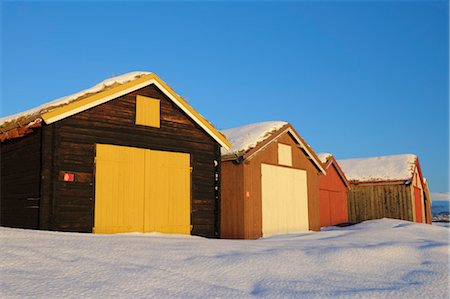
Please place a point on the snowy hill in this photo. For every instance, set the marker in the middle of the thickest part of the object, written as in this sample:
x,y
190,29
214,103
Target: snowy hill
x,y
375,259
440,207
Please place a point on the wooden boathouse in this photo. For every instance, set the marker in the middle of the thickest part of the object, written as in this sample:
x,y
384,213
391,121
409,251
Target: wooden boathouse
x,y
128,154
270,182
388,186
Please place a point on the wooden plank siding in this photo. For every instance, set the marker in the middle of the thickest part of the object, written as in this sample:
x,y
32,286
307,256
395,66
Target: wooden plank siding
x,y
333,198
20,177
367,202
69,146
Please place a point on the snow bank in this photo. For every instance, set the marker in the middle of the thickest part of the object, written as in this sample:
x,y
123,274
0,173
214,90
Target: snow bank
x,y
375,259
323,157
247,137
385,168
70,98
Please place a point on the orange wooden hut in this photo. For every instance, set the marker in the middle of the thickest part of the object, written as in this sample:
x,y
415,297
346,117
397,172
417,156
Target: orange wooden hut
x,y
270,182
333,192
388,186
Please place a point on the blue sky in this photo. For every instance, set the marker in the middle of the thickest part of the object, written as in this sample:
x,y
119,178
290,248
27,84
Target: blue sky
x,y
355,78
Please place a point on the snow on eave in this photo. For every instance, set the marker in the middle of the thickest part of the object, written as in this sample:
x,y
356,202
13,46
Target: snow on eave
x,y
26,117
390,168
247,137
323,157
248,140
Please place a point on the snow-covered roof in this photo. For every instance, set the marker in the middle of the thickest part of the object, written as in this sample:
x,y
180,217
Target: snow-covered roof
x,y
384,168
20,124
323,157
247,137
33,114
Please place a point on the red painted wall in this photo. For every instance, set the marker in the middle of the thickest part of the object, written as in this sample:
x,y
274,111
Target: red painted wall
x,y
418,204
333,198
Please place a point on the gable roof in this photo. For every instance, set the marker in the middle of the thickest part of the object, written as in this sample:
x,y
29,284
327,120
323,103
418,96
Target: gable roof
x,y
248,140
380,169
101,93
327,160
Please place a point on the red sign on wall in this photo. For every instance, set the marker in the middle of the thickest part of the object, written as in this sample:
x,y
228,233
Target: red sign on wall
x,y
69,177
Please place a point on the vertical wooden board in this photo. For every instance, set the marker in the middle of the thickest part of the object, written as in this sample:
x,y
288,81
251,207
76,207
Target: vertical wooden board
x,y
418,202
167,196
232,200
325,208
119,189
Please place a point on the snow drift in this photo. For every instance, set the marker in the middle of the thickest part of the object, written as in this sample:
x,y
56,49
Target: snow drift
x,y
375,259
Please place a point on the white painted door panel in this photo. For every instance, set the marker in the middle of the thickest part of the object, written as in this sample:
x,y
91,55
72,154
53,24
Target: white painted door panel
x,y
284,200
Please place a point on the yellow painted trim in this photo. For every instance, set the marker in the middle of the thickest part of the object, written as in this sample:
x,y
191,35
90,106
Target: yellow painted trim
x,y
193,113
115,92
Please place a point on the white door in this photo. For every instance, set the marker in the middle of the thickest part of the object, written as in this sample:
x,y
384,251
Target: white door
x,y
284,200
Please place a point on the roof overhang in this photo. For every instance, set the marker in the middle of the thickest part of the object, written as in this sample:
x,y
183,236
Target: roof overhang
x,y
275,136
78,106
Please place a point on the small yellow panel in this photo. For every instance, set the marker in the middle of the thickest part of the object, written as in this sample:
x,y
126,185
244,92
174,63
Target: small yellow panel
x,y
147,111
284,154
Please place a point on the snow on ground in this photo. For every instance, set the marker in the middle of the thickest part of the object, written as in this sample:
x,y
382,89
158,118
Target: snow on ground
x,y
385,168
247,137
376,259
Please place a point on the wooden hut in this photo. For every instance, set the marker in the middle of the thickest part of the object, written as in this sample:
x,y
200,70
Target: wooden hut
x,y
389,186
333,192
270,182
128,154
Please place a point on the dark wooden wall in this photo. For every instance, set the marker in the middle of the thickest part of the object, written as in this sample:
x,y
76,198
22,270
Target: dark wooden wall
x,y
69,146
376,201
20,181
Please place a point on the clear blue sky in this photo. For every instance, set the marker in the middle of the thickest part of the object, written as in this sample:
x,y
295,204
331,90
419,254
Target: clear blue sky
x,y
355,78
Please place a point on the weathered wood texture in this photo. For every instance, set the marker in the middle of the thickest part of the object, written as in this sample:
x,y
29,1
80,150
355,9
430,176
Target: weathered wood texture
x,y
232,201
20,177
380,200
333,198
69,146
242,215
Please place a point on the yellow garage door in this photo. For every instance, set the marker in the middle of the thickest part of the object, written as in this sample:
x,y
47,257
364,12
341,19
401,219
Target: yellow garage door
x,y
284,200
141,190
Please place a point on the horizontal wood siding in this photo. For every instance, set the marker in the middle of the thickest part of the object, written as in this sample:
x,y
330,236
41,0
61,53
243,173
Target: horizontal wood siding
x,y
20,181
74,140
379,201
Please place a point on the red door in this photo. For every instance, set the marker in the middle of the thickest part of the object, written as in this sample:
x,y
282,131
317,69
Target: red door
x,y
418,204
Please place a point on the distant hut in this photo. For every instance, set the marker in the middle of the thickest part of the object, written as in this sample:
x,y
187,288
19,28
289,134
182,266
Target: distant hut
x,y
388,186
333,192
270,182
128,154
